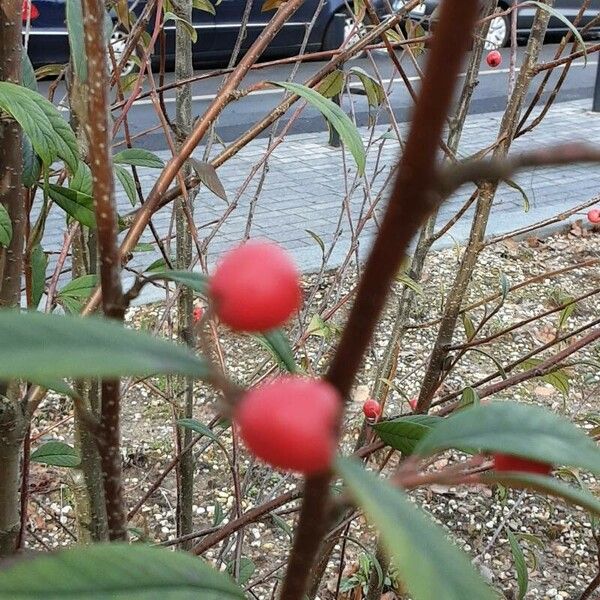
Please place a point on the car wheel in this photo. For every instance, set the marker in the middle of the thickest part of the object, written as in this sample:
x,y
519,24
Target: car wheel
x,y
118,42
498,33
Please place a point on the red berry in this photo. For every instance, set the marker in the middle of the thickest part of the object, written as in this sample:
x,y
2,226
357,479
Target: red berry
x,y
494,59
34,13
507,462
198,314
413,403
290,423
256,287
594,216
372,409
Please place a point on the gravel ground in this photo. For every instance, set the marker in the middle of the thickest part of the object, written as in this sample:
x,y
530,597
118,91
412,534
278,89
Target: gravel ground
x,y
557,539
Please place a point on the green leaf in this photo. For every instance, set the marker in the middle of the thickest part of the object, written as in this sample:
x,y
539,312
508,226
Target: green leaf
x,y
565,314
5,227
332,84
188,27
517,429
57,454
558,379
82,180
558,15
469,397
247,568
36,345
39,263
375,93
116,572
195,281
429,564
493,359
337,118
504,285
74,293
520,564
403,433
204,5
282,524
49,133
317,239
515,186
157,266
128,183
76,40
280,349
32,166
144,247
27,72
195,425
410,283
76,204
208,176
546,485
469,326
138,157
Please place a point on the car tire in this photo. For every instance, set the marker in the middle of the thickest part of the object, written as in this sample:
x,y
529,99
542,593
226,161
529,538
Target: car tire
x,y
499,33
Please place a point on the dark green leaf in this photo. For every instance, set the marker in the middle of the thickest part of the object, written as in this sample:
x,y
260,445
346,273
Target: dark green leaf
x,y
81,287
208,176
403,433
138,157
82,180
280,348
76,204
27,73
337,118
157,266
39,262
36,345
57,454
195,281
247,568
5,227
546,485
32,166
332,84
195,425
430,565
518,429
116,572
375,93
128,183
520,564
282,524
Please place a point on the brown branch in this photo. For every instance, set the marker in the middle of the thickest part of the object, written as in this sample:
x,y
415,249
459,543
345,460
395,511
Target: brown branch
x,y
565,59
410,204
97,127
495,170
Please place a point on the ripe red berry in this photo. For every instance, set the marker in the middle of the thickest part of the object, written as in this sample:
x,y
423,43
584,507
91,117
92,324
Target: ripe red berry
x,y
494,59
507,462
256,287
413,403
372,409
594,216
290,423
28,11
197,314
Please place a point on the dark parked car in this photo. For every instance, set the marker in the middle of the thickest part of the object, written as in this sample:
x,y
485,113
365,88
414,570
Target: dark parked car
x,y
48,39
499,33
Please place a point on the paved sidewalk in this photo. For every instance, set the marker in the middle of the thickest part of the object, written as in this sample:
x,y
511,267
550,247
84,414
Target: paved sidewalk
x,y
304,189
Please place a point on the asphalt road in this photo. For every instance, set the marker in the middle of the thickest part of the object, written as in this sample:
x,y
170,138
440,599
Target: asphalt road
x,y
490,95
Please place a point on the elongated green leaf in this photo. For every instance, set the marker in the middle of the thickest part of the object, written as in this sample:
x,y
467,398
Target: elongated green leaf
x,y
198,427
338,119
375,93
558,15
280,348
116,572
520,564
5,227
332,84
469,326
138,157
82,180
515,186
204,5
39,263
195,281
81,287
36,345
518,429
247,568
429,564
317,239
410,283
57,454
189,28
28,73
545,485
31,163
76,204
558,379
565,314
76,41
403,433
128,183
